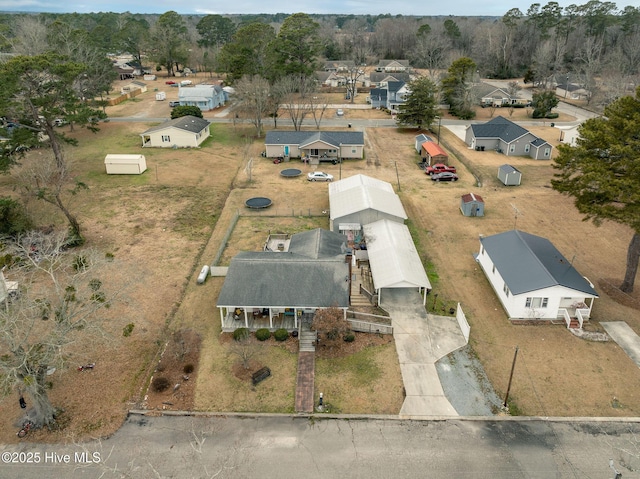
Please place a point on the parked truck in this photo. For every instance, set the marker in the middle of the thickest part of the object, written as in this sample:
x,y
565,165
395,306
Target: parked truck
x,y
439,168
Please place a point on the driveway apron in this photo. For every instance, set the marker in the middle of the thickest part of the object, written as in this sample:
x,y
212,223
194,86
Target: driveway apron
x,y
421,339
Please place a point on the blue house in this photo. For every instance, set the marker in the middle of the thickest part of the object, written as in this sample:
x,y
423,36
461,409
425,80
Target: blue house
x,y
205,97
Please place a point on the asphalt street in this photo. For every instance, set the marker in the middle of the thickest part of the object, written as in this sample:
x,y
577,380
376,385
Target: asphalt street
x,y
316,447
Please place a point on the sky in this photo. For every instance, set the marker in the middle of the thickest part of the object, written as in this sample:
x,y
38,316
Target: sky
x,y
356,7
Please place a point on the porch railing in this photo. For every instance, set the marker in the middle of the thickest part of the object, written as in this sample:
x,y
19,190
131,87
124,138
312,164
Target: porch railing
x,y
564,314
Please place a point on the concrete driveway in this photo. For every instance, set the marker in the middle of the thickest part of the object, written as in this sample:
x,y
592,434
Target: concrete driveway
x,y
421,340
625,337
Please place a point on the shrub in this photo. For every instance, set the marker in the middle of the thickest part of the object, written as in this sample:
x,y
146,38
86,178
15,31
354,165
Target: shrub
x,y
127,330
281,334
552,115
241,334
263,334
160,384
188,368
349,337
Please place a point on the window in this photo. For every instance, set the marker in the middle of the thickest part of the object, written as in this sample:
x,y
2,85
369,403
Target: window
x,y
166,139
527,147
547,151
536,302
506,289
512,148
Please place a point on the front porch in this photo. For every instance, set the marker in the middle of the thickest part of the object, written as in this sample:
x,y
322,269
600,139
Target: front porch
x,y
257,318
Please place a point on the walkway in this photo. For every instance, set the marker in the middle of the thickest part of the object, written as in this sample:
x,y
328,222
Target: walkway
x,y
421,340
625,337
305,378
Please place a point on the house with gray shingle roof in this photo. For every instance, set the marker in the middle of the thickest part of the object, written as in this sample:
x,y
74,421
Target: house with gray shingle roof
x,y
533,280
504,136
262,288
184,132
205,97
314,145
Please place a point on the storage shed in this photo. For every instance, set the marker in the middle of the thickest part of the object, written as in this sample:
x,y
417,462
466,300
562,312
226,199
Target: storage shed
x,y
125,164
472,205
509,175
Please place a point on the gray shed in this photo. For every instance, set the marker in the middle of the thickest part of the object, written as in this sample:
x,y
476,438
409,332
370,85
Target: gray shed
x,y
509,175
472,205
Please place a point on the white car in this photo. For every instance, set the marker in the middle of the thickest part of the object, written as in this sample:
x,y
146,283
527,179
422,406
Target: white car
x,y
339,112
319,176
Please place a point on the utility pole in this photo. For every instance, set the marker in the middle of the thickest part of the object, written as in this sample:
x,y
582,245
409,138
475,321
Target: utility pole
x,y
513,366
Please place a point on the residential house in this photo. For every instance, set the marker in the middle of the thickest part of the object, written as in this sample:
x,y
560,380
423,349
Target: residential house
x,y
183,132
124,71
393,66
572,91
339,66
205,97
506,137
273,289
533,280
391,96
314,145
358,200
380,79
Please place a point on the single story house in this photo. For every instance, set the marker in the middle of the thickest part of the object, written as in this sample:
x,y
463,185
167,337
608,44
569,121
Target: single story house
x,y
339,66
506,137
205,97
472,204
263,289
393,259
184,132
314,145
431,153
393,66
573,91
533,280
358,200
509,176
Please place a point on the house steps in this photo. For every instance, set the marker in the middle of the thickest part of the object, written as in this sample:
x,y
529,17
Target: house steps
x,y
307,338
357,299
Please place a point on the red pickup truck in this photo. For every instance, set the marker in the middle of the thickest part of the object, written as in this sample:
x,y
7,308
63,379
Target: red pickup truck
x,y
439,168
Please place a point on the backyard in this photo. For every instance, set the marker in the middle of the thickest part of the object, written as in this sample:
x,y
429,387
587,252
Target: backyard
x,y
164,225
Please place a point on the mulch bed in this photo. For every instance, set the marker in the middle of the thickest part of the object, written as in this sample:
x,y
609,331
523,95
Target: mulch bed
x,y
179,365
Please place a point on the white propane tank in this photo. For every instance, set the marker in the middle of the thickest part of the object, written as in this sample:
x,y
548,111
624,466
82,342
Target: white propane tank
x,y
204,272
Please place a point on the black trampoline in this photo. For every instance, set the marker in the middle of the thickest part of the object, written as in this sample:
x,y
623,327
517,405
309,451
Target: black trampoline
x,y
258,202
291,172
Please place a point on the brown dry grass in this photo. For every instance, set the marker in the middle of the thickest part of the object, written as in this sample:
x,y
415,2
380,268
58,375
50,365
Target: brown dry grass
x,y
160,227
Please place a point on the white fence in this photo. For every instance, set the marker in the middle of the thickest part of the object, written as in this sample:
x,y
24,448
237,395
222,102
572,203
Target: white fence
x,y
462,322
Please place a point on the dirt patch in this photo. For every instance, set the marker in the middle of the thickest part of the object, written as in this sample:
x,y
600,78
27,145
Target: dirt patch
x,y
173,384
339,348
611,287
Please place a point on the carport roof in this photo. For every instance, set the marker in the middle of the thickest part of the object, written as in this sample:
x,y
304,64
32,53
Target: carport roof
x,y
393,257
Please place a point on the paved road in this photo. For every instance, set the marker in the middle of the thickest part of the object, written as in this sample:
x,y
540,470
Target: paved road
x,y
286,447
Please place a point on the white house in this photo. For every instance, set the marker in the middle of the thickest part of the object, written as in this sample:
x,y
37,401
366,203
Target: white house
x,y
533,280
183,132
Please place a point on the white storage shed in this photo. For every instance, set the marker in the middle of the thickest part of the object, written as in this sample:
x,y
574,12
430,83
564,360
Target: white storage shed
x,y
125,164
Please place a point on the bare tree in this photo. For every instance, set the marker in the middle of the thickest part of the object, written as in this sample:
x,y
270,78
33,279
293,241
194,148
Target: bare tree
x,y
317,106
295,92
30,36
244,349
47,180
59,305
254,94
